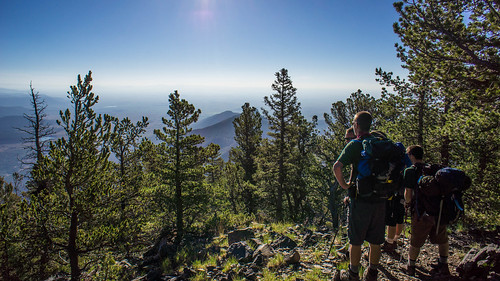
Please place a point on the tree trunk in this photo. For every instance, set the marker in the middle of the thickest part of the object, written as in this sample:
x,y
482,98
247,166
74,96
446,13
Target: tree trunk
x,y
72,248
178,188
420,129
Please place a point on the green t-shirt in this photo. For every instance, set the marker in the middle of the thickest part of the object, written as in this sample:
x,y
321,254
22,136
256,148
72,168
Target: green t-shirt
x,y
351,154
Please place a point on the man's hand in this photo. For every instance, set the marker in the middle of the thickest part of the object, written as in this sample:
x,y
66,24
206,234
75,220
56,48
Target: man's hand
x,y
346,200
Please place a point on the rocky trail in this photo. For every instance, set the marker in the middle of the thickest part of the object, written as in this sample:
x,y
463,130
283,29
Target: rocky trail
x,y
263,252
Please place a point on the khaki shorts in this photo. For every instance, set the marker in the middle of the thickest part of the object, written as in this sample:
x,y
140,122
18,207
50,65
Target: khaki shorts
x,y
424,227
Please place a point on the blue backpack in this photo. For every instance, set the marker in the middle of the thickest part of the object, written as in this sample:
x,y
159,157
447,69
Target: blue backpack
x,y
380,167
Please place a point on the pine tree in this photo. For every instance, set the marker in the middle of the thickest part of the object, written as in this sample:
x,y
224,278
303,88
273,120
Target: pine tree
x,y
453,46
284,109
248,136
80,181
129,194
184,159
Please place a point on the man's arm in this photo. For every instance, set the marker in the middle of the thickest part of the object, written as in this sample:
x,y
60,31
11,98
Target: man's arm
x,y
337,171
408,196
408,184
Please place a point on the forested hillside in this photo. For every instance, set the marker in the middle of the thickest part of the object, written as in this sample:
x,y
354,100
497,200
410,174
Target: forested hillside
x,y
86,217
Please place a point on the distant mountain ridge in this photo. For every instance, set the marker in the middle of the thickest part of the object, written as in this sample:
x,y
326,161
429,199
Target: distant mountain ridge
x,y
221,133
215,119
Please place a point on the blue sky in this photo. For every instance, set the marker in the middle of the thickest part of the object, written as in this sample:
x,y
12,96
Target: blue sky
x,y
225,49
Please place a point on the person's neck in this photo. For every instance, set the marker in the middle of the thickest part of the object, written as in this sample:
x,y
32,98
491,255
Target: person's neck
x,y
419,161
363,134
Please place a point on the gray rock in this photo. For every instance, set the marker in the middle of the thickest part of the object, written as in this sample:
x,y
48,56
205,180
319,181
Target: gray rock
x,y
154,274
239,235
264,250
293,258
479,263
284,242
241,251
254,242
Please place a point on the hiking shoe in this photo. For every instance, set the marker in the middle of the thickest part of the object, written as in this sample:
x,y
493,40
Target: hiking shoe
x,y
348,275
440,269
389,247
371,274
410,270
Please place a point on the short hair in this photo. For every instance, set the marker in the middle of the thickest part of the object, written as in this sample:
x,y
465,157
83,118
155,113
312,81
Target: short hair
x,y
416,150
364,120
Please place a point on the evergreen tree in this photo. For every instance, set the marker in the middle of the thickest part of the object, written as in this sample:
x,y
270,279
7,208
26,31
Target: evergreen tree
x,y
184,159
302,161
284,109
248,136
453,46
411,113
11,263
129,194
80,181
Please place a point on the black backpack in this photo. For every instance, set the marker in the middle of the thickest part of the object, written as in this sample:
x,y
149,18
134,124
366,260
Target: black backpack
x,y
439,193
379,170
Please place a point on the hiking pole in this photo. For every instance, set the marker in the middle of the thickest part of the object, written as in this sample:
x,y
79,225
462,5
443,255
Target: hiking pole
x,y
404,228
346,205
439,217
333,240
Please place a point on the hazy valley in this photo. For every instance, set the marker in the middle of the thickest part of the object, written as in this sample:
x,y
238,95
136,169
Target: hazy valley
x,y
217,128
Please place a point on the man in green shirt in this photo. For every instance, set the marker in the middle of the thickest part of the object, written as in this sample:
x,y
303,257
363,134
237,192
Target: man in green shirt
x,y
367,214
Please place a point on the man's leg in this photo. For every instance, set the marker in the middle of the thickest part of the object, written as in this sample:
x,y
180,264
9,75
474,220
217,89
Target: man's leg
x,y
354,263
374,256
391,232
444,249
355,255
413,253
390,244
399,230
442,266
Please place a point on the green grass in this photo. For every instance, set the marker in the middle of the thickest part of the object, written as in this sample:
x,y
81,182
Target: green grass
x,y
343,265
257,226
266,238
200,276
317,255
268,275
229,264
281,227
276,261
197,264
316,275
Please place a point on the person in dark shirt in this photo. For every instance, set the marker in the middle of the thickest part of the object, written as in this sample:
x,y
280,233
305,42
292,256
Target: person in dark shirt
x,y
367,215
423,225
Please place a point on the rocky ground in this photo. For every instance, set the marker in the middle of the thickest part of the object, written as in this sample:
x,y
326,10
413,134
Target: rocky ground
x,y
281,252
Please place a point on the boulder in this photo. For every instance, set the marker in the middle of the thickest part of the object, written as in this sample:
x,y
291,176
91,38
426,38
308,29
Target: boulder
x,y
480,263
239,235
284,242
241,251
293,258
264,250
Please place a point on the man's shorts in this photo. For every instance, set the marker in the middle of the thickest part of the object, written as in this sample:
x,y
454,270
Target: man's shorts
x,y
394,210
366,222
424,227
